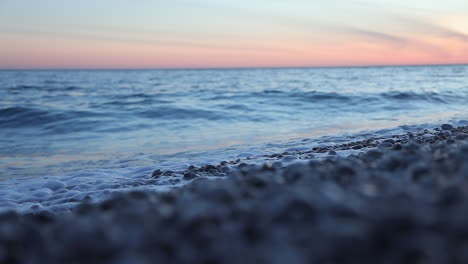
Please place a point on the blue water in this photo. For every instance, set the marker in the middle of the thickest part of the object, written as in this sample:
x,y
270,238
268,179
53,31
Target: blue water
x,y
57,122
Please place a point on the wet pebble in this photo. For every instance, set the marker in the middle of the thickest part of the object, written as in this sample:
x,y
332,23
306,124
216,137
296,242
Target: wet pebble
x,y
188,175
385,145
447,127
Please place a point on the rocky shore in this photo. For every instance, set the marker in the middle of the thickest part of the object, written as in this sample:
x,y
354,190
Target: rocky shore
x,y
401,199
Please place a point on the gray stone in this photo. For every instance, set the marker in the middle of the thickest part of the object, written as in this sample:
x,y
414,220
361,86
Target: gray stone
x,y
385,145
447,127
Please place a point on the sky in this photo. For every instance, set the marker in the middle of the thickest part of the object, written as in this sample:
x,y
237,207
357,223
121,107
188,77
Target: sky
x,y
46,34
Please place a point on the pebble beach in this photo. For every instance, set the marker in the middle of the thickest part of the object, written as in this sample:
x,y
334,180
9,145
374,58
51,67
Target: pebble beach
x,y
233,132
401,199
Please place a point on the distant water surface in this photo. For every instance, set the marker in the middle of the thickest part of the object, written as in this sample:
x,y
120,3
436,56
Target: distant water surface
x,y
56,122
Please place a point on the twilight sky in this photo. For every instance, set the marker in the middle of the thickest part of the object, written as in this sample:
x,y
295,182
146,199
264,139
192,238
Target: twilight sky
x,y
231,33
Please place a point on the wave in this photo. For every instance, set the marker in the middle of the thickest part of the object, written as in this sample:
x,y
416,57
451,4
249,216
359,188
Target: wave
x,y
322,96
318,96
428,96
229,113
442,97
24,116
141,102
234,106
33,88
230,106
273,94
17,117
181,113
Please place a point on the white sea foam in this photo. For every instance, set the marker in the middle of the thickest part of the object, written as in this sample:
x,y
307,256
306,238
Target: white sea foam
x,y
58,193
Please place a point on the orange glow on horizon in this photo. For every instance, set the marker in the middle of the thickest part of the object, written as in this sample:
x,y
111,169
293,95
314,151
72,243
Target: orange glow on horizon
x,y
42,52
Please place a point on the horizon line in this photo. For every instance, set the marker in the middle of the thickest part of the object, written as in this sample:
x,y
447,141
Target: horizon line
x,y
230,68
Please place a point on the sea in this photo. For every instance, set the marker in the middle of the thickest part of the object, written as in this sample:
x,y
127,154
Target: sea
x,y
68,135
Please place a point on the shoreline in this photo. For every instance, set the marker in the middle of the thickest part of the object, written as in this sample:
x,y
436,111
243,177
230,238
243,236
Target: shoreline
x,y
61,193
401,199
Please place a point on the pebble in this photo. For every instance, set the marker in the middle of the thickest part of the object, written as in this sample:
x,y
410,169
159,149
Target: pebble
x,y
385,145
41,192
54,185
188,175
168,173
373,153
277,164
389,141
288,158
447,127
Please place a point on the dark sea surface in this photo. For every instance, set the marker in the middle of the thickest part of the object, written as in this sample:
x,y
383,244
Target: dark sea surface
x,y
57,122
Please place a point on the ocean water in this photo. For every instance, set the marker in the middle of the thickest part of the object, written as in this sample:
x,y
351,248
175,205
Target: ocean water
x,y
99,127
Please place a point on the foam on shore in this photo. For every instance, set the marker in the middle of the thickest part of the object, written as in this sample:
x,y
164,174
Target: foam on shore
x,y
64,192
